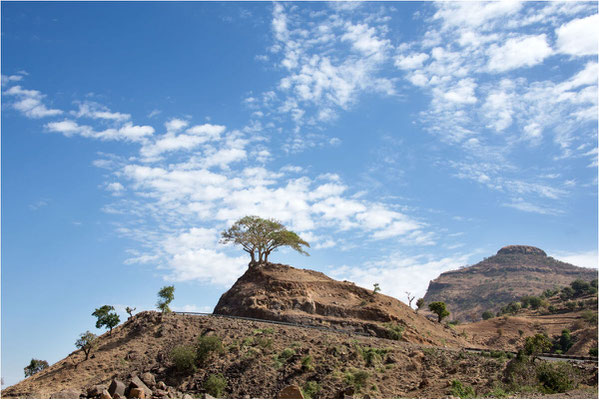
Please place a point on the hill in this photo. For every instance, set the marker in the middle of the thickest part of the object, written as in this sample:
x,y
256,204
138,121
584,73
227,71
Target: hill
x,y
259,360
282,293
515,271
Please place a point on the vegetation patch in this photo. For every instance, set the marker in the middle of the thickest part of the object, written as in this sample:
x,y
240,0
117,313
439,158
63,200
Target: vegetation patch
x,y
462,391
215,385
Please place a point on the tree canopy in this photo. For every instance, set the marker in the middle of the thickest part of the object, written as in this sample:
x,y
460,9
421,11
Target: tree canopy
x,y
259,237
35,366
165,296
87,342
106,317
439,308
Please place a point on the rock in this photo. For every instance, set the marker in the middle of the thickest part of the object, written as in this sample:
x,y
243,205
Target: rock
x,y
95,391
118,396
137,393
160,393
105,394
117,388
187,396
161,385
207,396
66,394
137,383
291,392
423,383
148,379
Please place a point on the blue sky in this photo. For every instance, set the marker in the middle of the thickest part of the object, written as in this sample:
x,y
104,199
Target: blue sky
x,y
400,140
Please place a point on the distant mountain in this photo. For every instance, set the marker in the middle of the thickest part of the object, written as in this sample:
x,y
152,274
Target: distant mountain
x,y
282,293
515,271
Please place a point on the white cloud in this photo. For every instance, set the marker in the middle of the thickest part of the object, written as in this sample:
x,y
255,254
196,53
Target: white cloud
x,y
519,52
463,92
6,79
579,37
30,103
412,61
98,111
175,125
588,259
127,132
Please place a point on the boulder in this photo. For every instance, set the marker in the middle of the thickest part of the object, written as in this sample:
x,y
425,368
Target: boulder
x,y
118,396
137,383
117,388
161,385
290,392
105,394
148,379
137,393
95,391
66,394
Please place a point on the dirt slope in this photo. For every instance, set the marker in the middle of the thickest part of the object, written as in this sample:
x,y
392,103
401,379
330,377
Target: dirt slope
x,y
283,293
143,344
515,271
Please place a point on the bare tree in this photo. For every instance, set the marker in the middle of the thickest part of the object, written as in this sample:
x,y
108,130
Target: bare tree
x,y
410,299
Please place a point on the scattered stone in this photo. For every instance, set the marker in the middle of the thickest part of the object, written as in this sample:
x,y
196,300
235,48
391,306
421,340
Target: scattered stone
x,y
105,394
118,396
160,393
187,396
117,388
137,393
148,379
207,396
137,383
95,391
66,394
291,392
423,383
161,385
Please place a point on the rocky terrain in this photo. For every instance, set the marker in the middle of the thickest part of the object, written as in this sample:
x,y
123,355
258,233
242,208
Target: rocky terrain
x,y
515,271
282,293
262,360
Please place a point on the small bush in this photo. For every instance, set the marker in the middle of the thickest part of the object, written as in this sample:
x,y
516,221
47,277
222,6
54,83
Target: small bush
x,y
497,393
310,389
264,331
184,358
206,345
551,309
371,355
520,332
307,363
462,391
557,377
215,385
488,315
589,316
287,353
356,378
593,351
571,305
395,331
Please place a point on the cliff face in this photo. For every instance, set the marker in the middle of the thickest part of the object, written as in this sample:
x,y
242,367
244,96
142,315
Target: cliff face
x,y
515,271
283,293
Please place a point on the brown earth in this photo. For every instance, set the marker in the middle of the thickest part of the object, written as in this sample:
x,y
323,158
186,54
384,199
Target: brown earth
x,y
504,332
282,293
144,342
515,271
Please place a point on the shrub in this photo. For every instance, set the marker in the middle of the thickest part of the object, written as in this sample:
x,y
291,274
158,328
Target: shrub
x,y
557,377
184,358
206,345
566,293
215,385
462,391
35,366
590,316
356,378
536,344
287,353
310,389
395,331
551,309
488,315
497,393
581,287
371,355
593,351
565,341
571,305
307,363
520,332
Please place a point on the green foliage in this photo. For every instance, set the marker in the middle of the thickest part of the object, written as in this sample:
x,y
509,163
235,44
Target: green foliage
x,y
87,342
259,237
311,389
376,289
130,310
356,378
488,315
264,331
35,366
550,292
184,358
551,309
439,308
593,351
520,332
462,391
165,296
589,316
419,303
215,385
566,293
497,393
557,377
287,353
307,363
571,305
535,302
582,288
106,317
537,344
565,341
371,355
395,331
206,345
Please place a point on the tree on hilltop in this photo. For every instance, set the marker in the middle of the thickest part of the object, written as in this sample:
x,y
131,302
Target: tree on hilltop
x,y
106,317
87,342
35,366
439,308
165,296
259,237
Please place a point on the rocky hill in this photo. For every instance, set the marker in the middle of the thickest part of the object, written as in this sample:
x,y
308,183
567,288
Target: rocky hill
x,y
282,293
515,271
263,360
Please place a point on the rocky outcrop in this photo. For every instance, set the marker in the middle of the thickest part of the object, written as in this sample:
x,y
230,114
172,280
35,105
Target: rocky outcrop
x,y
515,271
282,293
